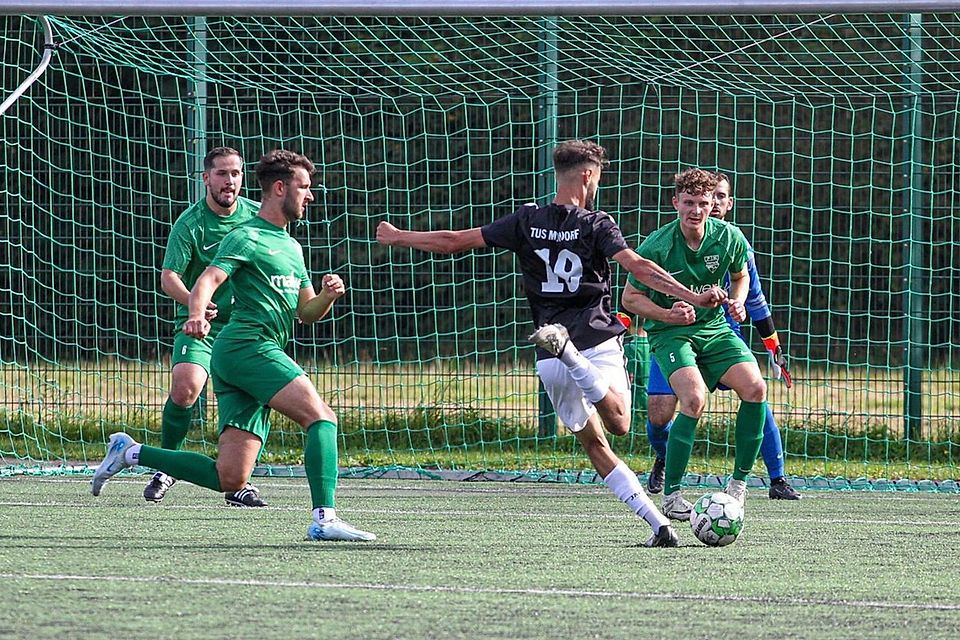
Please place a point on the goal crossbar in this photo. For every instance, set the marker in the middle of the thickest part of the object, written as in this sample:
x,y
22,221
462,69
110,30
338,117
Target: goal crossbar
x,y
468,7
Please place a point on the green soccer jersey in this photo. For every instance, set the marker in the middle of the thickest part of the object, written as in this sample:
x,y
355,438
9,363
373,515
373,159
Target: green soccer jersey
x,y
724,248
193,243
267,270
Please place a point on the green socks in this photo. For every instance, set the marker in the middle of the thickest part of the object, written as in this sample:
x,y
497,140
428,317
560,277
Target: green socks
x,y
174,425
182,465
748,437
320,461
679,448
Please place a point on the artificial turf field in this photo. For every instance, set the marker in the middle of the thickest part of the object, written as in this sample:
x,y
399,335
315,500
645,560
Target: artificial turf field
x,y
467,560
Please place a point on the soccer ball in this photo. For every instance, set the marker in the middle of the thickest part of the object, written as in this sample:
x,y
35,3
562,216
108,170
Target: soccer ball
x,y
716,519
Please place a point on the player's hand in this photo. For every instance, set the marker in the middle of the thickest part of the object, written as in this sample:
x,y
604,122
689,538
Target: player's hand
x,y
387,233
712,297
682,313
211,312
737,311
196,328
778,362
333,285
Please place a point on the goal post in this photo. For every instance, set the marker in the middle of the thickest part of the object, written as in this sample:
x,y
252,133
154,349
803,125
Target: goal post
x,y
837,124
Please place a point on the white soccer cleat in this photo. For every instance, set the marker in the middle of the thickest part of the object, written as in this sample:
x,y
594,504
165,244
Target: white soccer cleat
x,y
675,507
737,489
113,463
337,529
552,338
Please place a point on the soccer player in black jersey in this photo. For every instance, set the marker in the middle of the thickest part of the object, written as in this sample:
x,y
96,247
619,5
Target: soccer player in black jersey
x,y
564,250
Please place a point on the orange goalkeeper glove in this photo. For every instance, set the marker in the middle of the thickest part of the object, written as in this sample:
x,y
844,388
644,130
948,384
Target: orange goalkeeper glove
x,y
777,360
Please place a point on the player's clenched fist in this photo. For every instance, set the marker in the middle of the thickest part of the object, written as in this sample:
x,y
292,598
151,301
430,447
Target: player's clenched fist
x,y
737,311
387,233
196,328
712,297
682,313
333,285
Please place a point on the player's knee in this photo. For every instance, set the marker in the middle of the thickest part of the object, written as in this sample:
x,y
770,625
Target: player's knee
x,y
317,413
755,391
693,404
620,426
185,395
185,389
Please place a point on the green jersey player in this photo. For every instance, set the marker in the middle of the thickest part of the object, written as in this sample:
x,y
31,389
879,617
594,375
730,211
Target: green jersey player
x,y
251,372
192,244
699,251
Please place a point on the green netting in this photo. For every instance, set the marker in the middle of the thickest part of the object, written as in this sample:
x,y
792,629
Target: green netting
x,y
839,133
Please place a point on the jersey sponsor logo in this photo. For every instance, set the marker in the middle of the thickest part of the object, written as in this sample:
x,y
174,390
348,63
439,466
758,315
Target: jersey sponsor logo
x,y
273,252
553,235
207,247
712,262
285,284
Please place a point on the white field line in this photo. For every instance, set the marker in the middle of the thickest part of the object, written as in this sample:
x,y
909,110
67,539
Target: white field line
x,y
439,487
446,513
571,593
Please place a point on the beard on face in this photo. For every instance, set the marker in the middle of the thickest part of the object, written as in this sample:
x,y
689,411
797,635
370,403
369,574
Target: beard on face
x,y
292,210
225,200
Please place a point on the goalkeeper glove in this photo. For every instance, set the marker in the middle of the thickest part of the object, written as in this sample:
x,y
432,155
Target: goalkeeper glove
x,y
777,360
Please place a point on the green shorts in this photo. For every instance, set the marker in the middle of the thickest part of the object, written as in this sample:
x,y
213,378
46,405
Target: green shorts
x,y
194,350
246,375
712,350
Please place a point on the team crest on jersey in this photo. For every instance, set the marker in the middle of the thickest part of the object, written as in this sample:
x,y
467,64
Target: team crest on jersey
x,y
712,262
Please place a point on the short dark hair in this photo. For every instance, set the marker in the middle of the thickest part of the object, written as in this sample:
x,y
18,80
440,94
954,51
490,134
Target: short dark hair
x,y
219,152
696,181
722,177
574,153
279,164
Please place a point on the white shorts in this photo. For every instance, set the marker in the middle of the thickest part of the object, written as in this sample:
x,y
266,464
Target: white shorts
x,y
572,408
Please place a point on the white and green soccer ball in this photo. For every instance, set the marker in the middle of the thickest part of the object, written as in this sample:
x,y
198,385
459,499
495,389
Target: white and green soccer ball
x,y
716,519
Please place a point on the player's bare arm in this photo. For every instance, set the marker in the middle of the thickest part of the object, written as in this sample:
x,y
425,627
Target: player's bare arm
x,y
652,275
172,284
739,288
209,281
313,306
637,302
432,241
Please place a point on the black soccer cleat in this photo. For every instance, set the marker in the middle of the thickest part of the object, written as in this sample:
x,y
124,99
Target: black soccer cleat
x,y
655,479
664,537
158,486
780,489
249,496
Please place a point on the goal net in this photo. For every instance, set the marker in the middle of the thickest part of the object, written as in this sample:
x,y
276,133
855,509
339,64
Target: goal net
x,y
838,131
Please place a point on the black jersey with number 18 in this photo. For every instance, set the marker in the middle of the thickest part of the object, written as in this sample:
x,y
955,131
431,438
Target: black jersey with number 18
x,y
564,254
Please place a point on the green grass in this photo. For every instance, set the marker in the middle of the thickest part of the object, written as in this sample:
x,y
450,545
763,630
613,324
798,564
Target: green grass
x,y
467,560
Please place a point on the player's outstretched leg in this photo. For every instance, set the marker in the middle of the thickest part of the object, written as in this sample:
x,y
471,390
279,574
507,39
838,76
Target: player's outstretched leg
x,y
114,462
